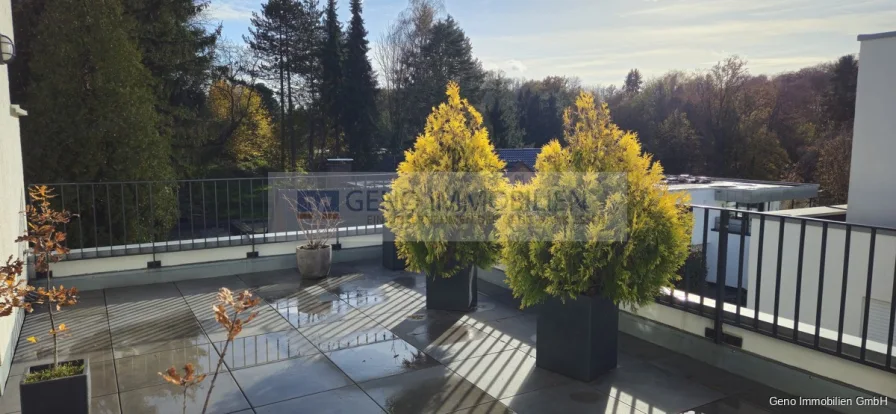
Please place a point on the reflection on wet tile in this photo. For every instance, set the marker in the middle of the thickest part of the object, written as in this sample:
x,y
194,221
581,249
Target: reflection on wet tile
x,y
279,381
168,398
304,308
380,359
430,390
646,388
343,400
273,280
574,398
506,374
344,333
383,300
730,405
142,370
246,351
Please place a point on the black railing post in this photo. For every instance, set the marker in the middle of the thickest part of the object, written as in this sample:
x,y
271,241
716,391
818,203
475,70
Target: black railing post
x,y
721,268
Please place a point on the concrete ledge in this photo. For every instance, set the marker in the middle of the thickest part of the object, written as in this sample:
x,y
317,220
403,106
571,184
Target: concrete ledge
x,y
209,269
788,367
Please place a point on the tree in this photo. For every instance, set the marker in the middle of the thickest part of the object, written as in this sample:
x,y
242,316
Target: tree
x,y
273,36
331,88
93,116
632,82
451,160
446,56
501,114
178,51
252,146
403,39
678,146
619,236
26,14
840,98
359,92
834,160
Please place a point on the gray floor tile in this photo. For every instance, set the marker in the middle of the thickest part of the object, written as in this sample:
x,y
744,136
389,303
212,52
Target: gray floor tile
x,y
647,388
343,400
513,329
10,403
494,407
200,287
380,359
87,333
273,280
573,398
266,320
730,405
457,342
640,349
167,398
143,370
279,381
246,351
132,294
701,373
430,390
107,404
506,374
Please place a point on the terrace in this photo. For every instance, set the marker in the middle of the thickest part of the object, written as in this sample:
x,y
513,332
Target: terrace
x,y
360,341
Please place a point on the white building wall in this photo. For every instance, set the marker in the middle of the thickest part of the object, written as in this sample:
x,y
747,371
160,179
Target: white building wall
x,y
872,181
12,197
833,276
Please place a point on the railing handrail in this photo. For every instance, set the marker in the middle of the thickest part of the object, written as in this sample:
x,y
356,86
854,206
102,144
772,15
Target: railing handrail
x,y
778,214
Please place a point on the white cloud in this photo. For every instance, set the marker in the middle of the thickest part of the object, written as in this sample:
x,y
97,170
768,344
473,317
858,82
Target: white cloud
x,y
516,65
224,10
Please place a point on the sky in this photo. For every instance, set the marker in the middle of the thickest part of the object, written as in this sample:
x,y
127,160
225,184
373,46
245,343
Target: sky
x,y
598,41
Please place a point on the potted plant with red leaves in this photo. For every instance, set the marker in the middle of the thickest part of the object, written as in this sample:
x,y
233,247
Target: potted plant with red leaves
x,y
67,381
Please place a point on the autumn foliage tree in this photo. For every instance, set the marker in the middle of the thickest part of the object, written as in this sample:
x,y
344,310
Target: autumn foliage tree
x,y
252,145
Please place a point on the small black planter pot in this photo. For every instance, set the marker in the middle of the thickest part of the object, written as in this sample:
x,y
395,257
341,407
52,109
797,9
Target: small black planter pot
x,y
390,252
456,293
577,339
61,395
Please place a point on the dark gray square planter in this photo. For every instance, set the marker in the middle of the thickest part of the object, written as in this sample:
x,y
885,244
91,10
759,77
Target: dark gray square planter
x,y
61,395
456,293
390,252
577,339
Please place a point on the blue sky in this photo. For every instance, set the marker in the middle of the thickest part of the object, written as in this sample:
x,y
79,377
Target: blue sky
x,y
600,40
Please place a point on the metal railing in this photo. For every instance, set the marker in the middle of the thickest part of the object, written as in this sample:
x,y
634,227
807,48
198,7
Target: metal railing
x,y
143,217
807,281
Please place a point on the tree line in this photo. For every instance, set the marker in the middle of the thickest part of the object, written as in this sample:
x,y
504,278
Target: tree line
x,y
149,89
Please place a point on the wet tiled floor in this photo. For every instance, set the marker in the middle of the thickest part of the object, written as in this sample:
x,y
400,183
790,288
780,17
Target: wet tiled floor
x,y
358,342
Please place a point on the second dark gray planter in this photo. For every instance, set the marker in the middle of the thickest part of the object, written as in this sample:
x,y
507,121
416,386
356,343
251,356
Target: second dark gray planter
x,y
60,395
391,260
579,338
456,293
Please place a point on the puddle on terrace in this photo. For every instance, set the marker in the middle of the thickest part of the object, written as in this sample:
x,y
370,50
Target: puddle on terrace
x,y
360,339
302,314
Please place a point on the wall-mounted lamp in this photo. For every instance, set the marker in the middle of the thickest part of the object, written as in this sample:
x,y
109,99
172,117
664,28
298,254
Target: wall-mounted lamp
x,y
7,49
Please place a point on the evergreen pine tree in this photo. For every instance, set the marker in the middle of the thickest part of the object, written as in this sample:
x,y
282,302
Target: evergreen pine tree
x,y
273,37
633,82
359,92
331,88
178,50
